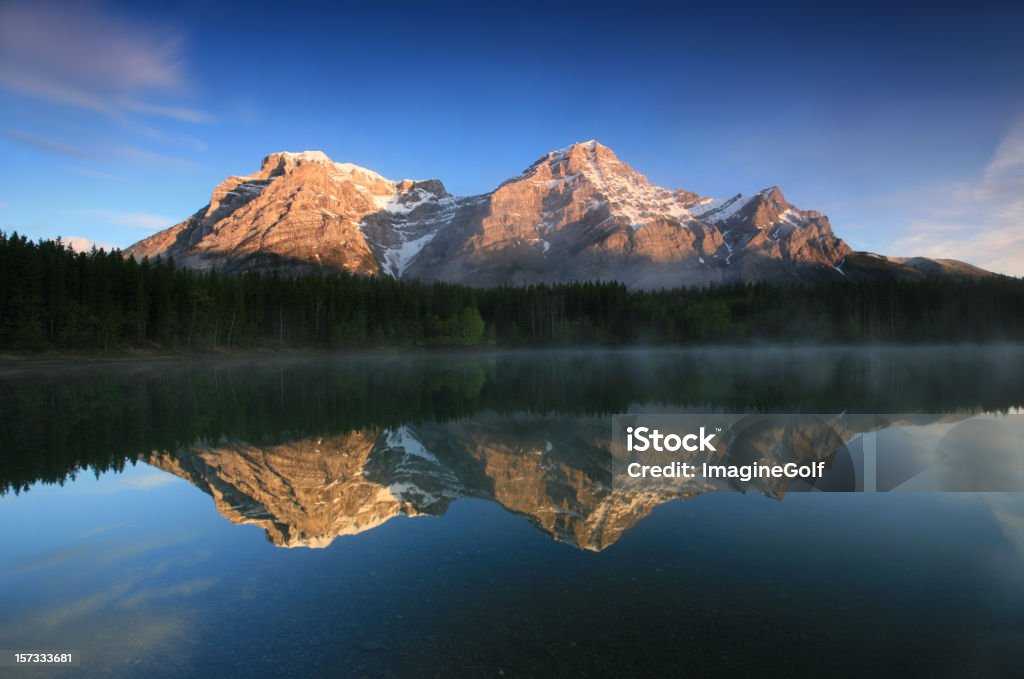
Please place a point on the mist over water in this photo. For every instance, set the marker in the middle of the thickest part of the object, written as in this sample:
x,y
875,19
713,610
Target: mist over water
x,y
442,506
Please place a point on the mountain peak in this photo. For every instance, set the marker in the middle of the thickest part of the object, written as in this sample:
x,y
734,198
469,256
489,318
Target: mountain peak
x,y
591,146
772,193
280,163
772,201
310,156
275,160
577,158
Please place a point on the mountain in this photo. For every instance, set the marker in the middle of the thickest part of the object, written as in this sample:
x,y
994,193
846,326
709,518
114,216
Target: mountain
x,y
303,212
578,213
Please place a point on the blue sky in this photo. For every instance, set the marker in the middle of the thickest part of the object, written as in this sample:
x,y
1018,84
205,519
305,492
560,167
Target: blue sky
x,y
904,125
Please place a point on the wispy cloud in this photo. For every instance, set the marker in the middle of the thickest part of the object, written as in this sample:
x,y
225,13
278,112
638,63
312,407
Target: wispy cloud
x,y
42,88
980,220
147,481
135,220
1009,157
76,55
45,144
187,115
137,154
128,152
173,138
102,67
95,174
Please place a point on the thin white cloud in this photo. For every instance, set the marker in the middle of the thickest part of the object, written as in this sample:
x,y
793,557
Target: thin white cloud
x,y
129,152
94,173
181,113
174,138
999,249
1009,156
981,220
147,481
95,60
76,55
46,144
137,154
43,88
135,220
77,42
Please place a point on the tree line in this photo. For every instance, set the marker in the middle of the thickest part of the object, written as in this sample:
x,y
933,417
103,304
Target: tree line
x,y
52,297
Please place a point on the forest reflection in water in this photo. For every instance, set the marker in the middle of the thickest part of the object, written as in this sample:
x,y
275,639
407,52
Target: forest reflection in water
x,y
311,448
543,564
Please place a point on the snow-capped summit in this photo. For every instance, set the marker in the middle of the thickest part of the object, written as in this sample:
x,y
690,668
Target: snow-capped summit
x,y
307,156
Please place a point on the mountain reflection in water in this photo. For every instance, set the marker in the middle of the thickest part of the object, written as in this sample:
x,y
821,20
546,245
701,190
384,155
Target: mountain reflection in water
x,y
555,471
137,570
312,449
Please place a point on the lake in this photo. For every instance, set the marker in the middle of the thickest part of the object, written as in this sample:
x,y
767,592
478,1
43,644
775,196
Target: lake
x,y
436,515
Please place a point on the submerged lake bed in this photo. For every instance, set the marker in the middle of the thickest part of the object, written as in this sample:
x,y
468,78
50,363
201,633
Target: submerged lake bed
x,y
410,515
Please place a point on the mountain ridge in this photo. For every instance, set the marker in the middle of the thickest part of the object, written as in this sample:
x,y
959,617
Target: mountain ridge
x,y
576,213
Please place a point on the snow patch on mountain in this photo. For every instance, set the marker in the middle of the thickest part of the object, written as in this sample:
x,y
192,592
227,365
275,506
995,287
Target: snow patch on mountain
x,y
402,437
399,258
415,218
306,156
720,209
793,218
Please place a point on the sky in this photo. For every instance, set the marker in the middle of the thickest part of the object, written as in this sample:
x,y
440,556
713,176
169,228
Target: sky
x,y
903,123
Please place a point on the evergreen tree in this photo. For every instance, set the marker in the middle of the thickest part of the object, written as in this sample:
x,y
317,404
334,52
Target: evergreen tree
x,y
54,298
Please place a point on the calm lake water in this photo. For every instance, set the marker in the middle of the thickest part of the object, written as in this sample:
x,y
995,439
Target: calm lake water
x,y
454,515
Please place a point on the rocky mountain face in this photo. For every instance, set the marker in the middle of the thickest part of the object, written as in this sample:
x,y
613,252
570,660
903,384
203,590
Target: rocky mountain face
x,y
578,213
303,212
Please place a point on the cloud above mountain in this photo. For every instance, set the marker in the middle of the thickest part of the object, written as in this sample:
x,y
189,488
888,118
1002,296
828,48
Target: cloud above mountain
x,y
93,84
980,220
77,56
136,220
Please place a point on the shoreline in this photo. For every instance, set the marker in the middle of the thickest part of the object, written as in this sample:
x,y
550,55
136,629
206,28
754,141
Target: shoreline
x,y
15,361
